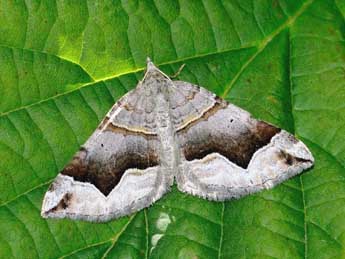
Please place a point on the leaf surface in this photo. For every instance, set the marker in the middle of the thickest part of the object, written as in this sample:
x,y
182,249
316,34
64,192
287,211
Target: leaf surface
x,y
64,64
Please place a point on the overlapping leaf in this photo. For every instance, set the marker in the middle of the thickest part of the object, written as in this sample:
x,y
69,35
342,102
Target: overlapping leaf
x,y
63,65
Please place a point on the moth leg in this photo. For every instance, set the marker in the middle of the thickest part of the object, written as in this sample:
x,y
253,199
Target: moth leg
x,y
214,177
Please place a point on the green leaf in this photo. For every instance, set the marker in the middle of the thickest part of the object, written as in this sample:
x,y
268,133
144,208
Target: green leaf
x,y
64,63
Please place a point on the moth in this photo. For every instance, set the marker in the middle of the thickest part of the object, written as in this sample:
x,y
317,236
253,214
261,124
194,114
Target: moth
x,y
165,131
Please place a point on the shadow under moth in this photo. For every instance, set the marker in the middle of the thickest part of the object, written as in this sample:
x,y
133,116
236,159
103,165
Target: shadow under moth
x,y
165,131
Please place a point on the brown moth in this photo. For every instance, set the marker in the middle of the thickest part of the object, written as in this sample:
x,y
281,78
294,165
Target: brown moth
x,y
165,130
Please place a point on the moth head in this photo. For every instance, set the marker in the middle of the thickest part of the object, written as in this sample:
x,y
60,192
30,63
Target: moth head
x,y
150,67
154,74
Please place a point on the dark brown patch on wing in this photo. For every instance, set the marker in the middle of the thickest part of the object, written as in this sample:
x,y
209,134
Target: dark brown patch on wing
x,y
63,204
239,150
77,167
285,157
105,175
290,159
265,132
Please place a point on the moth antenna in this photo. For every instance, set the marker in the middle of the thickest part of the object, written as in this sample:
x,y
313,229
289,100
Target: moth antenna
x,y
178,71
